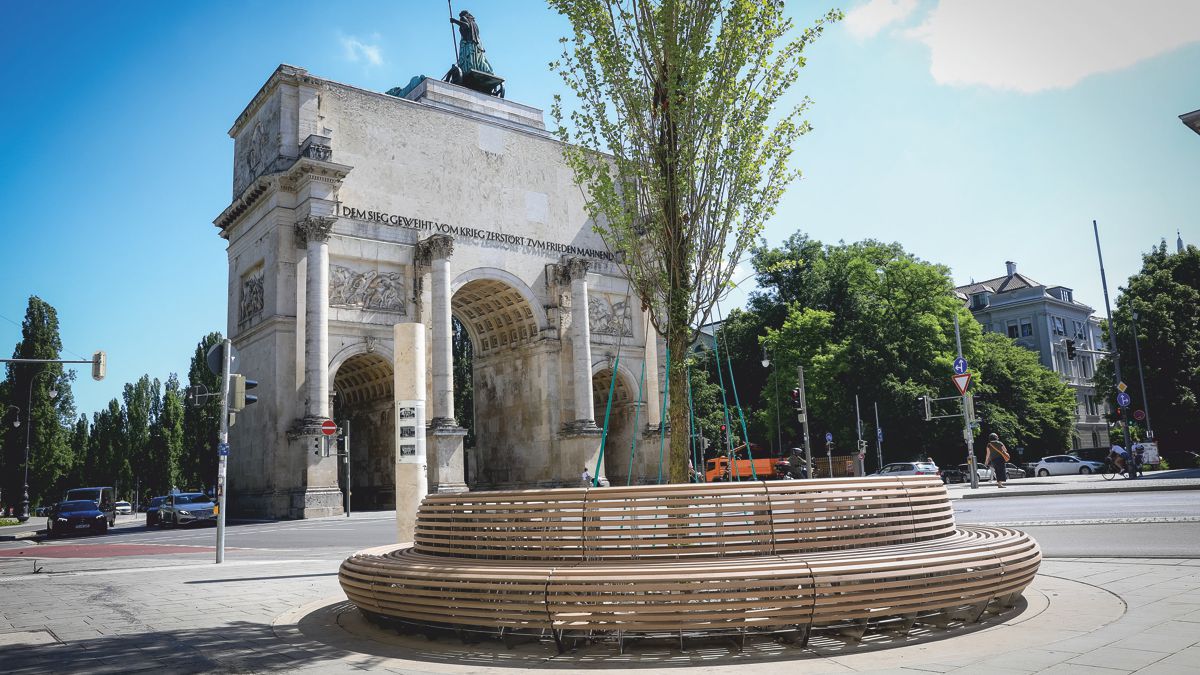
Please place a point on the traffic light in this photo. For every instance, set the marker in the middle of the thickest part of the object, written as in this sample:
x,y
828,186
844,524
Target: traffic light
x,y
99,365
238,386
797,403
862,447
1070,349
928,410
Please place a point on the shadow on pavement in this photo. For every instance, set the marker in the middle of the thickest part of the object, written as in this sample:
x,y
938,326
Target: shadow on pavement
x,y
237,646
283,576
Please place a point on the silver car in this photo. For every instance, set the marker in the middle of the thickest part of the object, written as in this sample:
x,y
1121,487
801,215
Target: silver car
x,y
1066,465
187,508
909,469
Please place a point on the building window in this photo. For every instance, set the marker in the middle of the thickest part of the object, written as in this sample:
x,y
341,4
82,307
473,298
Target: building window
x,y
1060,326
1026,328
1077,328
1012,329
1096,439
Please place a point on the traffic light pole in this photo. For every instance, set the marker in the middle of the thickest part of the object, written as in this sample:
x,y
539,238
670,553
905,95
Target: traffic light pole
x,y
804,424
859,463
878,438
223,446
1112,342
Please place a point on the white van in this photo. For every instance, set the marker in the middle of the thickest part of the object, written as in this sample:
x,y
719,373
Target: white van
x,y
103,496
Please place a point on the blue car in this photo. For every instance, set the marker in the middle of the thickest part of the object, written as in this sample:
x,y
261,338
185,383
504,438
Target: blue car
x,y
77,516
152,511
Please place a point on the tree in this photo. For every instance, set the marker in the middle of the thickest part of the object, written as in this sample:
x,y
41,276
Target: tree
x,y
141,405
674,141
1021,400
168,439
870,319
201,421
45,419
1165,293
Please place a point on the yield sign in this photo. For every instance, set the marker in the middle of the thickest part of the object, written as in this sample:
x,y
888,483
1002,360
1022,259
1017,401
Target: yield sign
x,y
962,381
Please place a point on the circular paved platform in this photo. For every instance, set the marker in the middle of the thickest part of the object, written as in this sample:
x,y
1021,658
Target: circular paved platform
x,y
1053,609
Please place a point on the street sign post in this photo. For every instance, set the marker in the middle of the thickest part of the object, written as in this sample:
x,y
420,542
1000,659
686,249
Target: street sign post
x,y
960,366
962,381
828,437
1123,400
223,449
1121,387
329,427
1139,415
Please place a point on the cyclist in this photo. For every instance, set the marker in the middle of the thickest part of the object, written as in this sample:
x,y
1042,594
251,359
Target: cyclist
x,y
1121,457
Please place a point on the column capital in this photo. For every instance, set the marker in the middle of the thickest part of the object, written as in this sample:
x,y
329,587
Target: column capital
x,y
435,246
313,228
573,269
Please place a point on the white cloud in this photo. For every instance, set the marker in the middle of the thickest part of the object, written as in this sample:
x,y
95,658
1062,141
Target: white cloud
x,y
867,20
356,50
1035,45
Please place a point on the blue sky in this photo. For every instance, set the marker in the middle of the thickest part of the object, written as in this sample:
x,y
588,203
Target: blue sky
x,y
972,133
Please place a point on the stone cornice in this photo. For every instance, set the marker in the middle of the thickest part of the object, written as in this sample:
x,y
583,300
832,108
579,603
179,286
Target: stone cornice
x,y
284,73
244,202
309,169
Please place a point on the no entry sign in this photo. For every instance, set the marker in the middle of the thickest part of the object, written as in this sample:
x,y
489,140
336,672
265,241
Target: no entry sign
x,y
329,427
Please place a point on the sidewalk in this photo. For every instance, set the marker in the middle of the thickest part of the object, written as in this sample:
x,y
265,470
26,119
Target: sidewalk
x,y
1101,616
1081,484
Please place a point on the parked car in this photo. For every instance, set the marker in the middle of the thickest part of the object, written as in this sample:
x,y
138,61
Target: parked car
x,y
78,515
103,496
1015,471
909,469
152,510
124,508
1063,465
953,475
187,508
984,472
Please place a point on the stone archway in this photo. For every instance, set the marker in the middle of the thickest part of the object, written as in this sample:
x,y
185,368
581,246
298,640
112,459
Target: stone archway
x,y
510,380
365,397
618,444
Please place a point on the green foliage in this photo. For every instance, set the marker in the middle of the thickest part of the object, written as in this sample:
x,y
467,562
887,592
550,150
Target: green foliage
x,y
464,381
870,319
1020,400
1166,294
25,395
678,141
202,422
5,522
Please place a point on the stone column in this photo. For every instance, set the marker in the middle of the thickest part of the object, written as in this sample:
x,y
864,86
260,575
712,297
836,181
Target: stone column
x,y
579,443
581,342
313,232
437,251
651,388
444,434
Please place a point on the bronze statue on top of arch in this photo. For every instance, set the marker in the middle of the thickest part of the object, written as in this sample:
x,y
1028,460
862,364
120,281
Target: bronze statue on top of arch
x,y
473,70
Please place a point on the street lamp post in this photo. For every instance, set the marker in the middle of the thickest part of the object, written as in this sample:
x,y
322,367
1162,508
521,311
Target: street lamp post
x,y
28,426
766,363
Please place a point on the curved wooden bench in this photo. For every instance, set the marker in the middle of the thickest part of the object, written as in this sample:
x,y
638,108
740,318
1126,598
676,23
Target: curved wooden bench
x,y
691,558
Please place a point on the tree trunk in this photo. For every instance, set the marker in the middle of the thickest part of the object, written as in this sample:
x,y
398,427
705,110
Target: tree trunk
x,y
678,343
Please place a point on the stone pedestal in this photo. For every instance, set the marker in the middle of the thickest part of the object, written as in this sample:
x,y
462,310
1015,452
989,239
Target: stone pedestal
x,y
579,447
412,470
446,445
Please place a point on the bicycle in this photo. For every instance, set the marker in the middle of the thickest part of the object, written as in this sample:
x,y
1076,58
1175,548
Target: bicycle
x,y
1111,470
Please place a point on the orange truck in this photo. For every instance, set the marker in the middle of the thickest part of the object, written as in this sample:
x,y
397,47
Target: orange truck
x,y
715,469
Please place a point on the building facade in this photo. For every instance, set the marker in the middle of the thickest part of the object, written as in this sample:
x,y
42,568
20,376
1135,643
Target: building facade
x,y
354,211
1044,319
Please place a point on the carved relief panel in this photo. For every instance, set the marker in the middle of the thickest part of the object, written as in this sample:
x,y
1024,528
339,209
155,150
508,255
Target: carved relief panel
x,y
609,315
369,290
250,304
256,148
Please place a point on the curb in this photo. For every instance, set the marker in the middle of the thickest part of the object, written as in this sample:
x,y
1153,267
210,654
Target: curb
x,y
21,536
1078,491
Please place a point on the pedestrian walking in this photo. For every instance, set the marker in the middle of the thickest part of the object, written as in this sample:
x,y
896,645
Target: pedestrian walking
x,y
996,457
1139,456
586,477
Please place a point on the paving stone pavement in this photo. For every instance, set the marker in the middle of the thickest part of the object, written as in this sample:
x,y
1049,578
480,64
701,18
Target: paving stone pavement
x,y
192,616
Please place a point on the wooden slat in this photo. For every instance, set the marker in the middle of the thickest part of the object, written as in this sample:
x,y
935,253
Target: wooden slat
x,y
690,557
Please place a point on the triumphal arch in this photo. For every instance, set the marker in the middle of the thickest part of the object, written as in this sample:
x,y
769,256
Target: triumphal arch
x,y
354,211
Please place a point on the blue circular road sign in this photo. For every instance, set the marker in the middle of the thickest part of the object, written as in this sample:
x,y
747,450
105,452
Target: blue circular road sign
x,y
960,366
879,435
828,437
1123,399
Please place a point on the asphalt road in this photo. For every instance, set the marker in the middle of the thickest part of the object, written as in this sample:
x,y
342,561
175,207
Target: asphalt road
x,y
1067,532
